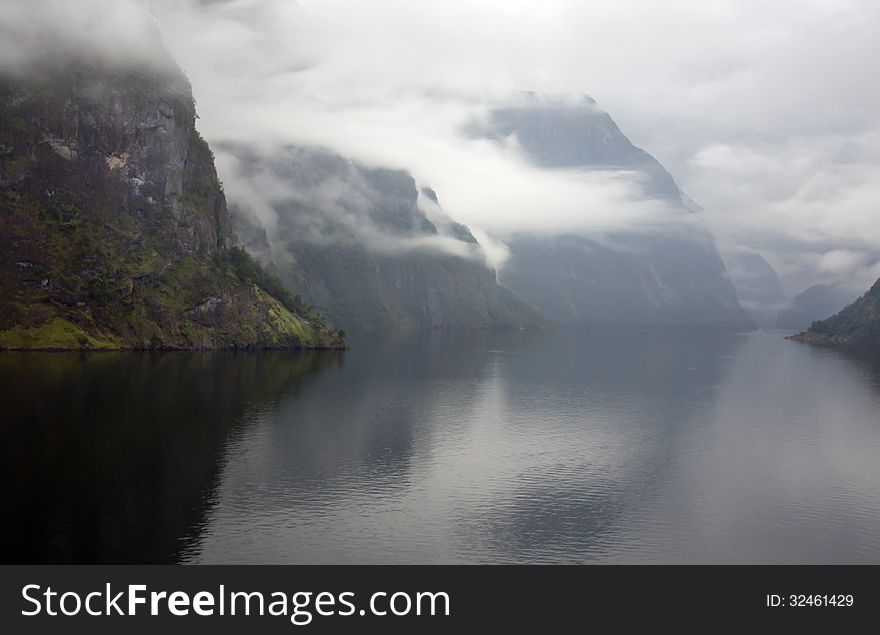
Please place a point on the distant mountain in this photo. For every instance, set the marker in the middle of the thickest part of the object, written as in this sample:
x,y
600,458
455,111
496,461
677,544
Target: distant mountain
x,y
858,325
757,285
114,230
816,303
367,248
674,278
562,131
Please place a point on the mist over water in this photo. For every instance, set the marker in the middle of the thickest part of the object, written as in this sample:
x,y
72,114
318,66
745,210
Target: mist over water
x,y
573,446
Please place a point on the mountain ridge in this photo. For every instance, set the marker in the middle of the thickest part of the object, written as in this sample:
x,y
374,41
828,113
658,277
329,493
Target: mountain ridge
x,y
357,242
670,277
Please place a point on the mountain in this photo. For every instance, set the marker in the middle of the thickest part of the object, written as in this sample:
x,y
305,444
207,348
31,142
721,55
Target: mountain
x,y
673,277
365,246
758,286
816,303
114,230
858,325
565,131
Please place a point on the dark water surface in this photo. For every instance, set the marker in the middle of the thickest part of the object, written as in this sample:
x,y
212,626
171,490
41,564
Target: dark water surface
x,y
583,446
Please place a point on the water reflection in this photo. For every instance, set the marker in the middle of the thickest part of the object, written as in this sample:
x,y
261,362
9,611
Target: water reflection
x,y
473,447
786,474
571,446
112,457
604,414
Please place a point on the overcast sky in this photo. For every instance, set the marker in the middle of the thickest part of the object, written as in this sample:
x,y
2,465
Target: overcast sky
x,y
767,113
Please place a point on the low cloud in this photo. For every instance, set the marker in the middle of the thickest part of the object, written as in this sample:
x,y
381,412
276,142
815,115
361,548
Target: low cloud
x,y
811,207
122,31
774,135
323,208
369,92
767,114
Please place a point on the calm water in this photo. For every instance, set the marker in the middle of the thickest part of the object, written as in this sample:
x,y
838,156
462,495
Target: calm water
x,y
573,446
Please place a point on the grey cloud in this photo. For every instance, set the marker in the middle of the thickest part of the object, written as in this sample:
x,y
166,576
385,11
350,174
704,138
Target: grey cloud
x,y
768,114
312,195
122,31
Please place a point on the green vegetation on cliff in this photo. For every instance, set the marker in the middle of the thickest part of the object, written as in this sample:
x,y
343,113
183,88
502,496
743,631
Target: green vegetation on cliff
x,y
114,231
858,325
369,249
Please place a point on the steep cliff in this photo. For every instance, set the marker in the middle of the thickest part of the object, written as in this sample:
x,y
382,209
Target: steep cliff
x,y
366,247
626,279
671,276
114,230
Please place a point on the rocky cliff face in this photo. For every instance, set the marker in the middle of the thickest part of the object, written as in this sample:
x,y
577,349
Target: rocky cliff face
x,y
367,248
114,231
673,276
856,326
640,280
